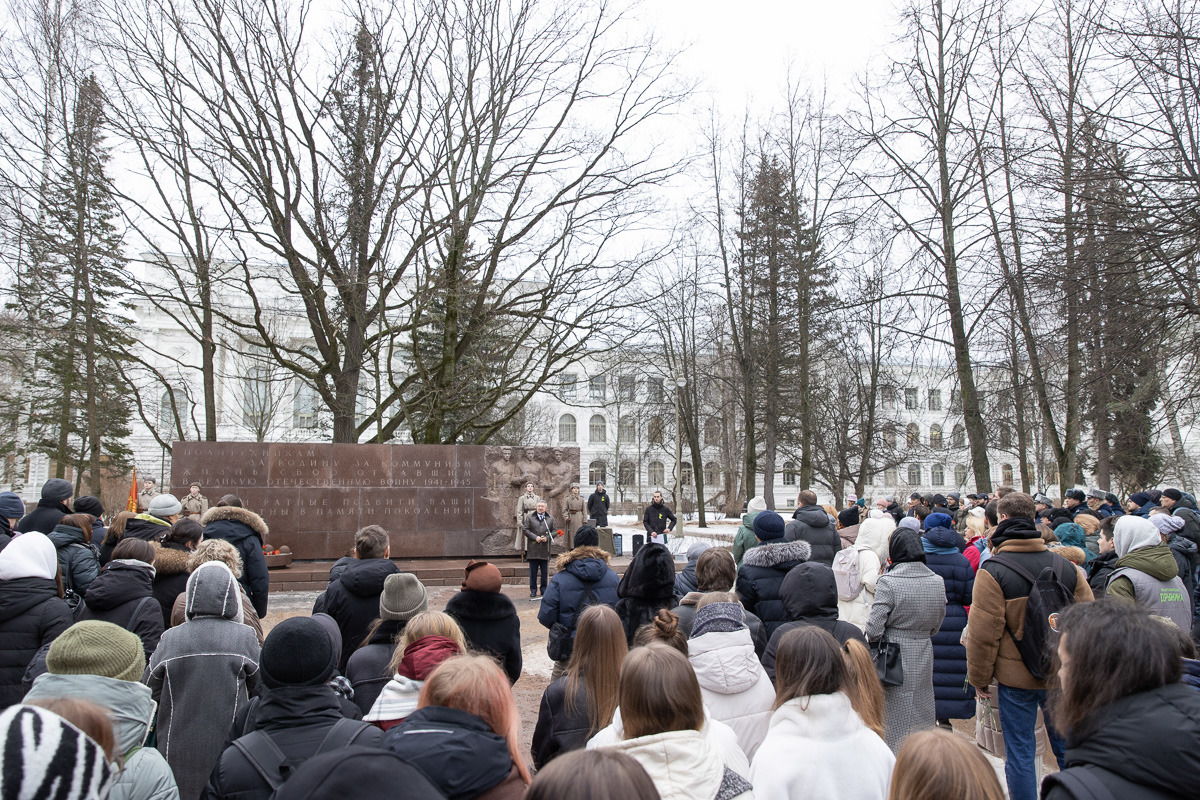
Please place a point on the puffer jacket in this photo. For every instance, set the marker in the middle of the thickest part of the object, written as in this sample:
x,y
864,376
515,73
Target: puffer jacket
x,y
202,674
558,729
686,613
685,766
811,524
761,575
578,573
353,601
170,577
31,615
458,752
123,594
647,586
744,539
1099,570
721,739
735,687
297,719
246,531
77,556
146,774
367,669
398,698
809,596
953,698
1142,747
146,526
871,547
489,622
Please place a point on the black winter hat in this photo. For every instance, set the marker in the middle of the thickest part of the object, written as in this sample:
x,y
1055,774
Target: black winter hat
x,y
849,516
89,505
1174,494
297,652
587,536
767,526
357,771
939,500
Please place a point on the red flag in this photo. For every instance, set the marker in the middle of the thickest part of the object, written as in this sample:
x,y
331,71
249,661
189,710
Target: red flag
x,y
132,504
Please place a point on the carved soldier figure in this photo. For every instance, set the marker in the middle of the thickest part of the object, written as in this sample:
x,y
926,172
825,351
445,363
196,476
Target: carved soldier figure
x,y
526,505
194,504
557,477
527,465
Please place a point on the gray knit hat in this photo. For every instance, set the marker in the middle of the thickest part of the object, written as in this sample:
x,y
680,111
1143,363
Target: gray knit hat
x,y
164,505
403,597
718,618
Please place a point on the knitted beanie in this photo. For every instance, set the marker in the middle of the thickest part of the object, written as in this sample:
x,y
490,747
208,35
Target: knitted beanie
x,y
92,647
1174,494
297,652
718,618
767,526
482,576
164,505
11,505
938,520
46,756
57,489
587,536
403,597
88,505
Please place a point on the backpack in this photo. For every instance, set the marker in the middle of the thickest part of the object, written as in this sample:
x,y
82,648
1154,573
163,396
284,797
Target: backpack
x,y
845,573
272,765
1048,595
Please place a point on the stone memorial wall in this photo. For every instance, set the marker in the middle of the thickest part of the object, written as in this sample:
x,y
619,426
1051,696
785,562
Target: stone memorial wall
x,y
434,500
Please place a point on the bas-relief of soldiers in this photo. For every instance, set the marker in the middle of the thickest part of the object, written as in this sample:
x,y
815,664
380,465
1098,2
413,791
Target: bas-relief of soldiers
x,y
519,477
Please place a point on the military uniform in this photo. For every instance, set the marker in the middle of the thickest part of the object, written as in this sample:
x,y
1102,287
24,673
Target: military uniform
x,y
575,512
194,505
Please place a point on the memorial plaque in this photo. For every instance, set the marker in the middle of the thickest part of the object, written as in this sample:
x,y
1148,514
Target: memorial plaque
x,y
434,500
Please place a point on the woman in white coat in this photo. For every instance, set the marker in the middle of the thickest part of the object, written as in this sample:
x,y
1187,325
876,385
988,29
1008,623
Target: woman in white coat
x,y
870,548
662,718
817,745
734,685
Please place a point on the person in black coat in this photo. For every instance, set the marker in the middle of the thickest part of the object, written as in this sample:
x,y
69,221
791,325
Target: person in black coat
x,y
357,771
1100,568
246,531
298,715
171,564
809,596
488,619
811,524
52,507
353,599
597,506
32,612
403,597
12,508
953,698
764,567
582,577
647,585
658,519
123,594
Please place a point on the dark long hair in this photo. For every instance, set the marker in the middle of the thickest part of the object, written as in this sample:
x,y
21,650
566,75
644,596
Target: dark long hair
x,y
601,774
1114,650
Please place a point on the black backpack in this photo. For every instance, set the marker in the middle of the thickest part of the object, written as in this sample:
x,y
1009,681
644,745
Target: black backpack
x,y
272,765
1049,593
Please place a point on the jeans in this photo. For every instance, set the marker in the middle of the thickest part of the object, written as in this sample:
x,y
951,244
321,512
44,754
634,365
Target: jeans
x,y
537,565
1018,719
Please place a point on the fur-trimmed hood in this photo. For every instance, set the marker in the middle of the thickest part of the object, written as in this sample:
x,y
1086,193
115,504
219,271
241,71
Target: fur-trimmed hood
x,y
776,554
234,514
169,561
580,553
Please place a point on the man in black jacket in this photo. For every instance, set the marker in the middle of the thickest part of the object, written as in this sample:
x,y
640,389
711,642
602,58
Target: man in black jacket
x,y
597,505
54,505
353,598
297,718
658,519
811,524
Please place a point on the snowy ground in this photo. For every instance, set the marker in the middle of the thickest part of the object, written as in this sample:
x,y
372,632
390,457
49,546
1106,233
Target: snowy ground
x,y
718,532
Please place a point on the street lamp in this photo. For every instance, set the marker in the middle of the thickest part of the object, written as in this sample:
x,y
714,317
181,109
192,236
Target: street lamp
x,y
679,383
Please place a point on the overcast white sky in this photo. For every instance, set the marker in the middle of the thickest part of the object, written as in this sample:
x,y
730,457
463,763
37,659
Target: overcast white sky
x,y
741,49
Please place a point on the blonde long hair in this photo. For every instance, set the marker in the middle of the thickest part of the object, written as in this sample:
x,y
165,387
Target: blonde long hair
x,y
476,684
939,765
427,623
595,664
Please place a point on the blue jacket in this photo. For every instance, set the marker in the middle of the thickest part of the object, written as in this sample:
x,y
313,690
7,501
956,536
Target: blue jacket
x,y
246,531
953,698
579,571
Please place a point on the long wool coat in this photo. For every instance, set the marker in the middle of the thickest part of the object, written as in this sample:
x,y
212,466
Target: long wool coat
x,y
910,603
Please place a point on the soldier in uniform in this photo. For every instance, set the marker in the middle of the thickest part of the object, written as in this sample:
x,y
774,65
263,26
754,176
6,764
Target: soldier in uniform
x,y
575,512
526,504
194,504
558,476
148,492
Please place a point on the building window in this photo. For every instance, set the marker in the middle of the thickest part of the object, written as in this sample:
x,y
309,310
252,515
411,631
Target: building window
x,y
566,428
686,473
655,433
305,405
914,474
888,393
913,435
712,432
1006,439
657,474
597,430
910,399
937,475
568,386
955,401
1006,474
596,389
712,474
626,388
935,399
958,437
891,477
168,413
789,473
654,390
981,401
626,431
889,435
597,473
935,437
960,475
626,474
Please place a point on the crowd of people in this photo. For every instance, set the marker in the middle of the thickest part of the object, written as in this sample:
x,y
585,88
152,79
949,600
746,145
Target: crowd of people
x,y
821,656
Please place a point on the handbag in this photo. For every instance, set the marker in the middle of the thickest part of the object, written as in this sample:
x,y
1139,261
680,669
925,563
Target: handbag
x,y
889,666
559,643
